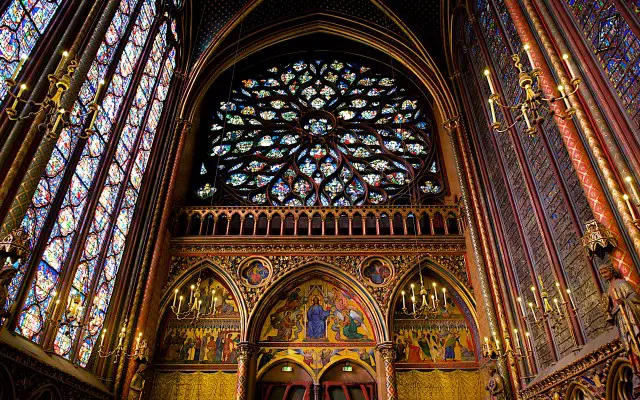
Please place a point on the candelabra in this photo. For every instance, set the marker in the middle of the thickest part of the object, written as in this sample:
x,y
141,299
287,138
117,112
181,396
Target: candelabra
x,y
522,350
194,309
426,309
542,310
140,352
55,115
532,108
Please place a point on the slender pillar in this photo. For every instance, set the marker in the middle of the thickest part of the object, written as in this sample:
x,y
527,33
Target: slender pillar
x,y
478,235
577,152
245,355
388,354
31,179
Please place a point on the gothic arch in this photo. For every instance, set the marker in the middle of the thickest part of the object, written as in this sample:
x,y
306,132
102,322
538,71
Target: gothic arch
x,y
192,271
259,314
467,297
364,366
422,68
576,391
284,360
619,385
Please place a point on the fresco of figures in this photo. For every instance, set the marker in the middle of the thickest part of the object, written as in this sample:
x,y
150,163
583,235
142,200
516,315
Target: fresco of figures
x,y
318,311
215,335
316,358
442,340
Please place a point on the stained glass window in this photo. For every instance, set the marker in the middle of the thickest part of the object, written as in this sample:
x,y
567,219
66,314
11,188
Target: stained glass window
x,y
100,250
615,45
319,133
21,26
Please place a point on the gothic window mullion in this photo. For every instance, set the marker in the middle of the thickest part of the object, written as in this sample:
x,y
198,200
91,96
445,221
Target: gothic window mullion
x,y
65,157
65,228
103,241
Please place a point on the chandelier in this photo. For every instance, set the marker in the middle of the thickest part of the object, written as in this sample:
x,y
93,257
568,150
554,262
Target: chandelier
x,y
430,307
533,108
194,309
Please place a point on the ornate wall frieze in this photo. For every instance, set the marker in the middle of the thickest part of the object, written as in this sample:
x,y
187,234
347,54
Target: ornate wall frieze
x,y
590,371
283,264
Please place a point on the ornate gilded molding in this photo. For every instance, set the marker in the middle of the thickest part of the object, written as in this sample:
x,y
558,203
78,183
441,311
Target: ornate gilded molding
x,y
282,265
598,239
559,381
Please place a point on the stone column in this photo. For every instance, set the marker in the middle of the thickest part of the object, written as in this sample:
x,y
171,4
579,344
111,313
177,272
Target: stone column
x,y
245,354
585,171
388,354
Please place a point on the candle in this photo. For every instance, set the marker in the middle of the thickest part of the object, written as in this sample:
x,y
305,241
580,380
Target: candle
x,y
121,336
191,294
215,300
65,54
522,309
413,292
516,338
21,61
23,87
487,73
433,300
180,304
528,340
565,98
525,116
435,291
95,97
424,299
493,111
573,304
413,300
565,57
533,312
138,341
444,296
404,305
104,332
527,49
421,283
555,301
629,180
626,200
175,296
533,290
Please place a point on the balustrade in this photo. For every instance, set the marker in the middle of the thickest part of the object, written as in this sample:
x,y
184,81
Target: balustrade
x,y
318,221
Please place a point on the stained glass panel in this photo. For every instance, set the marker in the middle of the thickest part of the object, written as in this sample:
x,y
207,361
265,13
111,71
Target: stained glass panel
x,y
64,228
21,26
318,133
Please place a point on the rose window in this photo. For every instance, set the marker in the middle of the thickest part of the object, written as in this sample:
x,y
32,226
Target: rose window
x,y
320,133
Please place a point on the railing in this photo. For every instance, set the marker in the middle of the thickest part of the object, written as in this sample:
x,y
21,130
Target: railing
x,y
318,221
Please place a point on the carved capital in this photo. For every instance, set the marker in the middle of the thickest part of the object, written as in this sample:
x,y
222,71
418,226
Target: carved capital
x,y
245,351
451,124
598,240
387,351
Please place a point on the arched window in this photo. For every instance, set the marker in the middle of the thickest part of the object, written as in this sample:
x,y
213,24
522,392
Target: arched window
x,y
97,180
22,24
320,133
614,44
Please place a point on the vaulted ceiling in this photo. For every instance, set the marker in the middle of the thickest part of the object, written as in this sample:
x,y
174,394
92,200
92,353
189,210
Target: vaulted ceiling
x,y
422,19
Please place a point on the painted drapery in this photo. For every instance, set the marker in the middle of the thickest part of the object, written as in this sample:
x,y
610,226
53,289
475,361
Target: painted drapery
x,y
194,386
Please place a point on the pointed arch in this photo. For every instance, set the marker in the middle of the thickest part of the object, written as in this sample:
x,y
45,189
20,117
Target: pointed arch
x,y
307,271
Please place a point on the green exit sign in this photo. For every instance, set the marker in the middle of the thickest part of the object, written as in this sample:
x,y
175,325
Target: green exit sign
x,y
347,368
287,368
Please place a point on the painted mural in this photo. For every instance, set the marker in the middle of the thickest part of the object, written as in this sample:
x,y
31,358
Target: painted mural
x,y
212,337
318,311
316,323
442,340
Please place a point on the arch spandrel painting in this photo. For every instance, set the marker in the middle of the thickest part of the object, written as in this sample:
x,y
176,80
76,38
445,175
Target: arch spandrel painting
x,y
213,338
316,323
446,340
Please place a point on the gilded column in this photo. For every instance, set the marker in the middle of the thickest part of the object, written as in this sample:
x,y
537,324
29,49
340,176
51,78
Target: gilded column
x,y
579,157
388,354
470,198
39,162
245,354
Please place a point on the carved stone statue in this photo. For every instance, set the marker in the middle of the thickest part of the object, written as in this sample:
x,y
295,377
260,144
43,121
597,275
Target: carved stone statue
x,y
623,309
495,386
6,275
136,388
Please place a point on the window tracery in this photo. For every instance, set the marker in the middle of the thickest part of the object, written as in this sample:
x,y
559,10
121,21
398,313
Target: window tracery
x,y
108,166
318,133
